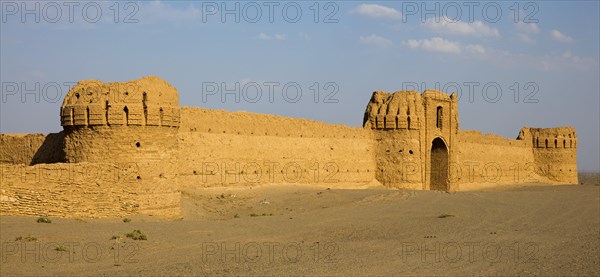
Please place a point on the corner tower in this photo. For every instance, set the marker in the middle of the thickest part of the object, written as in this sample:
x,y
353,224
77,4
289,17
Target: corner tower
x,y
554,152
133,125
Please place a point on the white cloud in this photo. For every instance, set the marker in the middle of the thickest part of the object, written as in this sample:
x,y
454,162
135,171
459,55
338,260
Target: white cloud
x,y
441,45
525,38
377,11
475,49
435,44
505,58
558,36
527,27
376,40
549,62
445,25
263,36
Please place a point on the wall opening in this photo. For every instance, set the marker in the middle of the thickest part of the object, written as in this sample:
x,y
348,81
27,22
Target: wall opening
x,y
555,143
71,116
546,143
438,178
438,118
106,106
160,117
564,143
87,116
408,122
144,100
126,116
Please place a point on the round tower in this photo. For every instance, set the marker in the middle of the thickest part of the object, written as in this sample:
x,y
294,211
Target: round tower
x,y
132,125
135,121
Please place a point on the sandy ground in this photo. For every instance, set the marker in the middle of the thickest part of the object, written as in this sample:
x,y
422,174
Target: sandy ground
x,y
536,230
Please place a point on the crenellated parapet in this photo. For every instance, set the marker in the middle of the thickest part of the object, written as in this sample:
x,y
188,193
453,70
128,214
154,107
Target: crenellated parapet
x,y
399,110
554,152
134,122
560,137
149,101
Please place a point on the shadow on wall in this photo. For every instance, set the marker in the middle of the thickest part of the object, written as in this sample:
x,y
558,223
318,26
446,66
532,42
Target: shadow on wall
x,y
52,150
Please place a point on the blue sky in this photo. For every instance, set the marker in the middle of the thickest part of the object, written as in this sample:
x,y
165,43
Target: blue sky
x,y
542,56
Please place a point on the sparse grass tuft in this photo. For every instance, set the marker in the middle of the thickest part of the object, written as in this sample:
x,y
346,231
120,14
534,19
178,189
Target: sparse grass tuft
x,y
263,214
126,220
115,237
61,248
236,216
27,238
445,215
136,235
44,220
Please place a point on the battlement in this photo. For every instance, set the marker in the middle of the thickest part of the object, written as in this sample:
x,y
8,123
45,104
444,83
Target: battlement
x,y
149,101
559,137
398,110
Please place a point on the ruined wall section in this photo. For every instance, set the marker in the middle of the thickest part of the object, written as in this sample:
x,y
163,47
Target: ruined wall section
x,y
220,148
399,159
555,152
493,160
31,149
19,148
82,190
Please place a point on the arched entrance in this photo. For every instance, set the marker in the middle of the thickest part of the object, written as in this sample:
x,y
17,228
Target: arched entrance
x,y
438,178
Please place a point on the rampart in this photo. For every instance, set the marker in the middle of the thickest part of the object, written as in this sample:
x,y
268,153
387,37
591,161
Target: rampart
x,y
128,148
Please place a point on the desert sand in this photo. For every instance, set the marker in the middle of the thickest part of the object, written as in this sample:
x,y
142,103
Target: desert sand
x,y
535,230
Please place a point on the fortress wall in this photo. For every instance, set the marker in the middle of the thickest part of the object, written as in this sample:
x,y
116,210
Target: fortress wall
x,y
150,151
83,190
240,148
246,123
493,159
120,144
18,148
31,148
399,159
558,165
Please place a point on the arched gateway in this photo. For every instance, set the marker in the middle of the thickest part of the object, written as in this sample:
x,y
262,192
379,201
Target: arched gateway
x,y
438,178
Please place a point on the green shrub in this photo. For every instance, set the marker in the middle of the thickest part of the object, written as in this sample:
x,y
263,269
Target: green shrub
x,y
27,238
136,235
61,248
44,220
